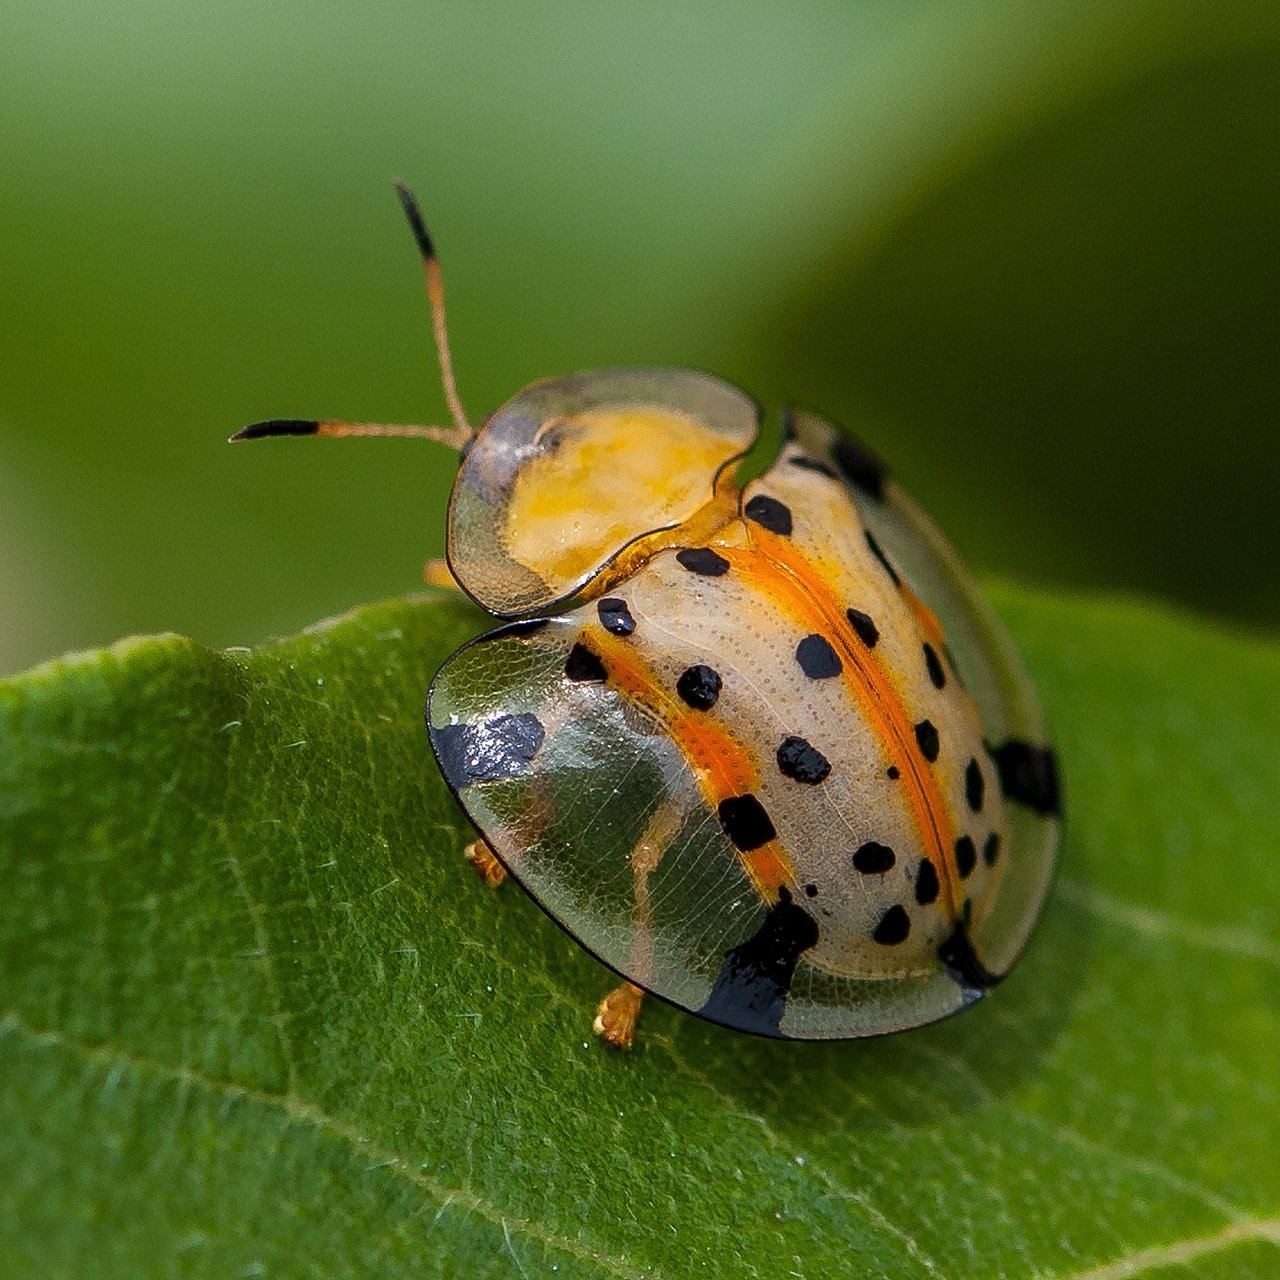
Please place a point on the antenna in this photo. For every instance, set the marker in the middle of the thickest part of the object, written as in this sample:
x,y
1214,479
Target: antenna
x,y
456,436
435,296
336,429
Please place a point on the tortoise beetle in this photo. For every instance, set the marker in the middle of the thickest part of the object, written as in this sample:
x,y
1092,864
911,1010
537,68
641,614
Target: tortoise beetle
x,y
759,746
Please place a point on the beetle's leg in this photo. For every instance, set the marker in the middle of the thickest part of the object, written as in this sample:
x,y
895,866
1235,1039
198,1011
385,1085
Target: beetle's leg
x,y
487,866
481,855
617,1015
436,573
618,1012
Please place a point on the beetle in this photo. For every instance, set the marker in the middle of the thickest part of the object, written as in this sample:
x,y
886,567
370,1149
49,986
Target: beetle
x,y
759,745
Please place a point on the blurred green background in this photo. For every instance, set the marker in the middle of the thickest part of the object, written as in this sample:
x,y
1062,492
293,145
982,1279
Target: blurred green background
x,y
1029,250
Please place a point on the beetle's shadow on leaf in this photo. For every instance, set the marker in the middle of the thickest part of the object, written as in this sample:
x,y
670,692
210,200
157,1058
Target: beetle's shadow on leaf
x,y
917,1078
805,1093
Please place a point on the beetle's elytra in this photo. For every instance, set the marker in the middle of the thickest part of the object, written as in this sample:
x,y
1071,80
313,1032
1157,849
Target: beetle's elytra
x,y
761,747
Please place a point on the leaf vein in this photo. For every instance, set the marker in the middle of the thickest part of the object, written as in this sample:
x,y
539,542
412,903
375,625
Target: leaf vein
x,y
1152,923
1181,1253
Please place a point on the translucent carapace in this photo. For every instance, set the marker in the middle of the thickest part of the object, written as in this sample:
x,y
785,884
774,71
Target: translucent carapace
x,y
773,759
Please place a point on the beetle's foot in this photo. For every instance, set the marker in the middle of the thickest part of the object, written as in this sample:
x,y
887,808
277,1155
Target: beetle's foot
x,y
436,573
618,1014
487,866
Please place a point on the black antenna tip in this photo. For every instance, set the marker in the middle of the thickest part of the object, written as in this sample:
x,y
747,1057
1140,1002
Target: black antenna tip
x,y
409,202
277,427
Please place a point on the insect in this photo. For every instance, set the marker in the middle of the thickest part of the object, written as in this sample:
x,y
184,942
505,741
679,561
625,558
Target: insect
x,y
759,745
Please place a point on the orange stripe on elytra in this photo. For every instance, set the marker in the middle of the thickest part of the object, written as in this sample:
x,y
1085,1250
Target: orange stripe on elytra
x,y
926,619
722,766
783,575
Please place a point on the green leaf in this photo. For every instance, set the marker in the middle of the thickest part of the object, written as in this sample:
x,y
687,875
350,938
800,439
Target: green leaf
x,y
259,1019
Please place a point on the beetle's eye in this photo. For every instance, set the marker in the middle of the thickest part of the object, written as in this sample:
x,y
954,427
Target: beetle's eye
x,y
573,470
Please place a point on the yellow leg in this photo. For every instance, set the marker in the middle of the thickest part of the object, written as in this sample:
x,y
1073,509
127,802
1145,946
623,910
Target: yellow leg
x,y
618,1014
436,573
487,866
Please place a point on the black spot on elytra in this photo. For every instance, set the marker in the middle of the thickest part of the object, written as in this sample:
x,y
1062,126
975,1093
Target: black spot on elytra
x,y
873,858
927,740
802,761
699,687
584,666
1029,775
746,822
750,991
893,772
927,885
811,891
962,963
934,666
974,785
861,466
615,616
966,856
817,659
704,561
485,752
770,514
894,926
878,552
991,850
806,463
863,626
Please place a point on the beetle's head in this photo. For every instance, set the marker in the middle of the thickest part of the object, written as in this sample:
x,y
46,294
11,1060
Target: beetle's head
x,y
573,471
